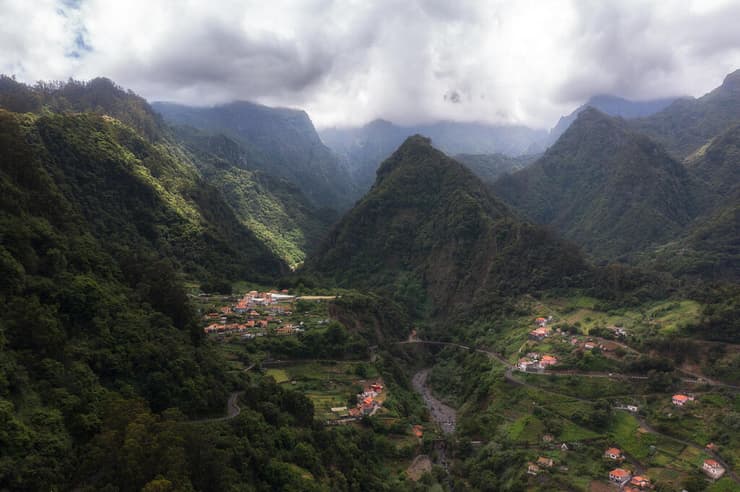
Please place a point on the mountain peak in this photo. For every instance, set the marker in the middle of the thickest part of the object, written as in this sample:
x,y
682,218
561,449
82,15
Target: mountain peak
x,y
732,81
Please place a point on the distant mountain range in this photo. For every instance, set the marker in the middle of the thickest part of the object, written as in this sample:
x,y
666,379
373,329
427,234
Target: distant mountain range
x,y
364,148
688,124
662,191
613,106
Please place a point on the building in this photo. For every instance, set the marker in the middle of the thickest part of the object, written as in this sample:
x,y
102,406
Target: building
x,y
532,469
544,462
548,360
613,453
540,333
680,400
713,468
619,475
640,482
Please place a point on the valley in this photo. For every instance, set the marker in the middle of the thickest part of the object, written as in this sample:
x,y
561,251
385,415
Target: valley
x,y
211,298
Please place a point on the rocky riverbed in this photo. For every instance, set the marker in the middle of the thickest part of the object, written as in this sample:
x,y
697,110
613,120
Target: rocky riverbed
x,y
444,415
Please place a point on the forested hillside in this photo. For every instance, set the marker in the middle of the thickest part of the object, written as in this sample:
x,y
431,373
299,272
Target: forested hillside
x,y
605,187
281,142
430,230
275,209
688,124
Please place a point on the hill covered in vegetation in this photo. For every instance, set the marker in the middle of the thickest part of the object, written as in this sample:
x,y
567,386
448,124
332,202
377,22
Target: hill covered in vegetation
x,y
607,188
688,124
431,230
281,142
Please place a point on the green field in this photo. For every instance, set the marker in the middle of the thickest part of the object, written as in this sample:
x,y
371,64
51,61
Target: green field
x,y
327,384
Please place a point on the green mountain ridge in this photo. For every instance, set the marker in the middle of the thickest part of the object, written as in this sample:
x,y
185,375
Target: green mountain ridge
x,y
282,142
688,124
607,188
431,230
273,208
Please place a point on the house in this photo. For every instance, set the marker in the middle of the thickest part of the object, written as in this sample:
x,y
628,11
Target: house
x,y
548,360
619,475
588,346
640,482
564,447
284,330
532,469
263,323
713,468
418,431
545,462
711,446
632,408
613,453
540,333
680,400
548,438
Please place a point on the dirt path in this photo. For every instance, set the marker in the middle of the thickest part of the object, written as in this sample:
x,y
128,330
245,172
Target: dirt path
x,y
444,415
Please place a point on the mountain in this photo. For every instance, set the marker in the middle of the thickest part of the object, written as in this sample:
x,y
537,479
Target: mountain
x,y
281,142
613,106
273,208
429,230
710,246
98,227
364,148
489,167
688,124
605,187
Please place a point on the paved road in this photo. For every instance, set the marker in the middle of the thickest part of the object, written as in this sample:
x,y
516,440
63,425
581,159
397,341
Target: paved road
x,y
232,406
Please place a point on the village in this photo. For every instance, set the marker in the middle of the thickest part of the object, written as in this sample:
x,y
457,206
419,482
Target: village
x,y
564,343
257,314
556,341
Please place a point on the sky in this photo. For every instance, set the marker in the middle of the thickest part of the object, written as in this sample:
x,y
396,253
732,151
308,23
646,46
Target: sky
x,y
347,62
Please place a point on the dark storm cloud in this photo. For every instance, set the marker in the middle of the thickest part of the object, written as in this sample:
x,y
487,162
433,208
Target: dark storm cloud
x,y
215,53
350,61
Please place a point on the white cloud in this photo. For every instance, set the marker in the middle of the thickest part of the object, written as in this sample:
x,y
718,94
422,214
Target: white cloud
x,y
350,61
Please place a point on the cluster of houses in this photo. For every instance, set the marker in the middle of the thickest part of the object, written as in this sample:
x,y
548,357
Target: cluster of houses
x,y
635,483
535,362
251,322
623,477
367,403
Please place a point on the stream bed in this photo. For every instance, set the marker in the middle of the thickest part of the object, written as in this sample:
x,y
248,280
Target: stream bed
x,y
443,415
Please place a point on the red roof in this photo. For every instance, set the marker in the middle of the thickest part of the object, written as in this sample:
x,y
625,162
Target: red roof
x,y
619,472
615,451
683,398
711,463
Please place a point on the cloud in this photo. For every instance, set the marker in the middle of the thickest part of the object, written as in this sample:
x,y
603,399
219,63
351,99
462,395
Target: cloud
x,y
350,61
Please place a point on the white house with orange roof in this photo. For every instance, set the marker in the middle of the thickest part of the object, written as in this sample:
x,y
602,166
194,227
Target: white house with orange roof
x,y
680,400
619,475
713,468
